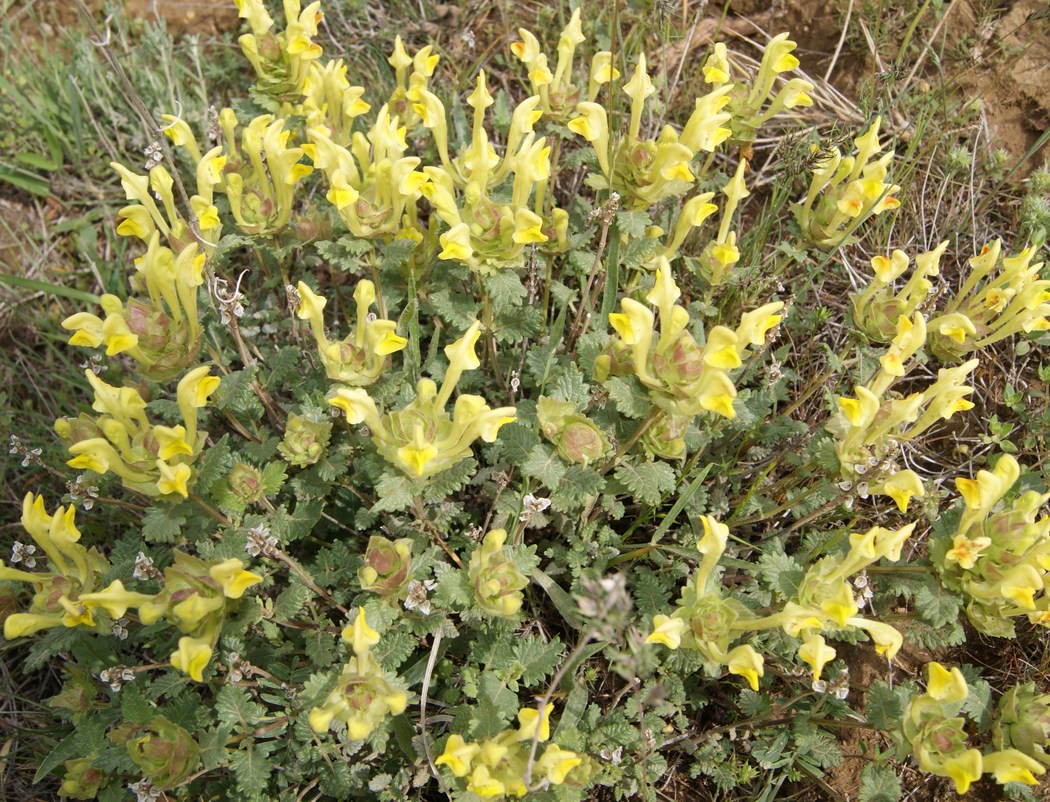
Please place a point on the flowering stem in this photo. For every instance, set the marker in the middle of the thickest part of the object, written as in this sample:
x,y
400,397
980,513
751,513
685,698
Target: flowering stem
x,y
642,428
308,581
541,707
418,509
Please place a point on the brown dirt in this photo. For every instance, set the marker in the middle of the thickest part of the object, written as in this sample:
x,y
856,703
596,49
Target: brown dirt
x,y
187,16
1008,68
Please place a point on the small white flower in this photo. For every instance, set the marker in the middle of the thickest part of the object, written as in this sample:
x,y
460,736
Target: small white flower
x,y
144,791
120,629
23,553
261,542
532,506
116,677
417,596
144,567
153,155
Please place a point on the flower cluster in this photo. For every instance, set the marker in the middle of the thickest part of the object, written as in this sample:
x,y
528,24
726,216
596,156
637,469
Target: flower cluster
x,y
386,566
998,556
877,309
359,359
846,190
364,695
870,426
936,734
1000,298
195,599
149,458
72,572
283,61
498,767
710,621
422,439
683,378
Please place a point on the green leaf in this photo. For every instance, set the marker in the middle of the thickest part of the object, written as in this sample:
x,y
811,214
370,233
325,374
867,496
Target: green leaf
x,y
505,290
936,605
66,749
885,705
237,394
47,287
251,767
345,252
290,601
290,526
496,705
236,709
273,476
545,465
395,493
628,397
213,465
779,571
648,482
536,659
161,524
879,784
459,309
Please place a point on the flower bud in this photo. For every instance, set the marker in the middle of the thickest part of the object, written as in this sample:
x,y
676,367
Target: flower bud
x,y
386,566
246,483
166,754
305,440
82,780
496,580
577,437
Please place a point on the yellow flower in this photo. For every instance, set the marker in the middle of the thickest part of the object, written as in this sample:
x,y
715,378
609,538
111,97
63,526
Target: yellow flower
x,y
556,763
888,268
716,68
456,244
634,323
667,630
901,487
747,663
457,756
193,609
115,600
1013,766
755,324
964,769
964,551
816,653
357,405
859,411
943,685
173,478
527,718
888,641
230,574
359,635
192,657
484,784
721,350
528,227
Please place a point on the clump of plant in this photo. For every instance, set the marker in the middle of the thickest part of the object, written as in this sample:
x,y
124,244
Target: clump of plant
x,y
482,481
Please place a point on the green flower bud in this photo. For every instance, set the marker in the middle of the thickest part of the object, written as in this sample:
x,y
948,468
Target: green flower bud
x,y
246,483
577,437
305,441
1024,720
386,566
496,580
166,754
82,780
